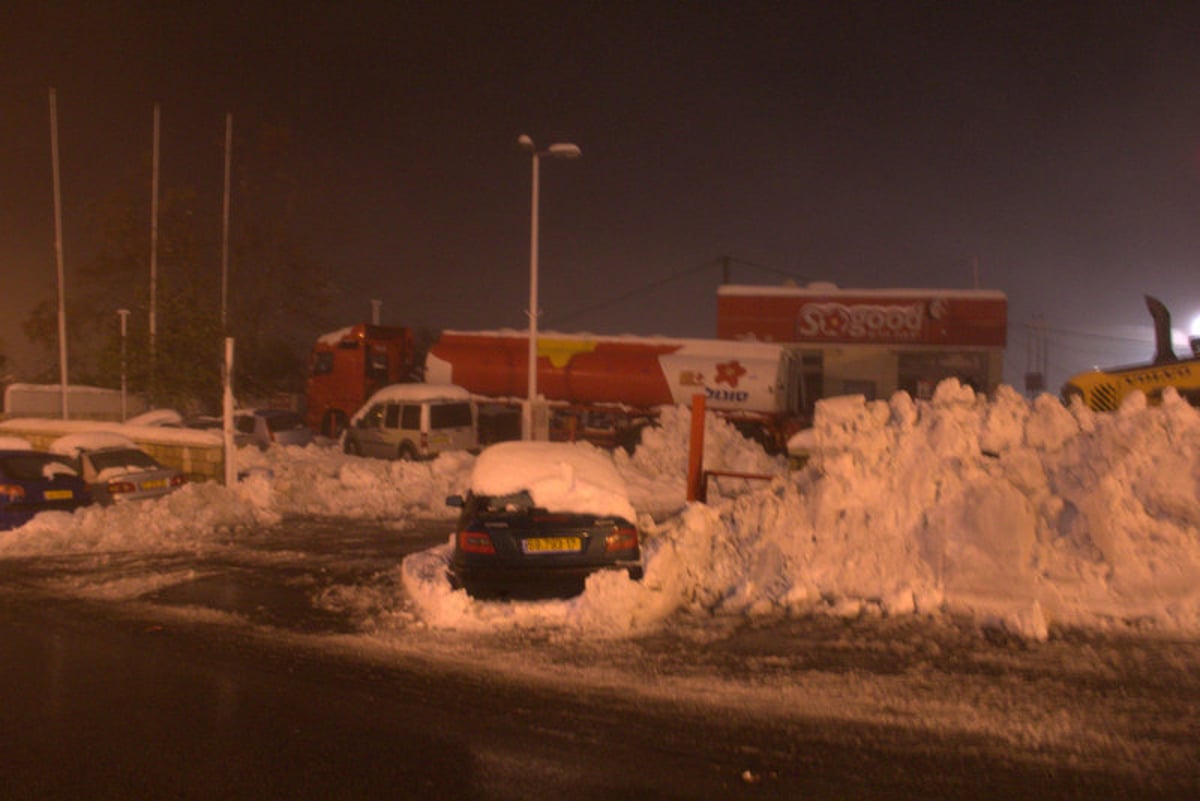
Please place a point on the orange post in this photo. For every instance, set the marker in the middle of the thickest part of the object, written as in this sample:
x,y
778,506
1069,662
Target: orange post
x,y
695,480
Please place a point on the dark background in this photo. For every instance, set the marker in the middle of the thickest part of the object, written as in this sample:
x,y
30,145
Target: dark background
x,y
1052,150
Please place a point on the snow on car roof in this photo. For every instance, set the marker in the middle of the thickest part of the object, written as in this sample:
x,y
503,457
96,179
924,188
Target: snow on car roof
x,y
157,417
14,444
559,476
419,392
413,393
71,444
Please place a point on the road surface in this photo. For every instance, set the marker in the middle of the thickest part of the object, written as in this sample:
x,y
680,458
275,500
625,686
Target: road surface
x,y
228,681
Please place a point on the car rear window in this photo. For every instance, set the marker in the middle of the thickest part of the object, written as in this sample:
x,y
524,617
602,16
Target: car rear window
x,y
450,415
516,502
34,466
103,460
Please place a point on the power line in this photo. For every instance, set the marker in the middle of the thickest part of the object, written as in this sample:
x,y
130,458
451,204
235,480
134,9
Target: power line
x,y
614,300
1090,335
728,260
724,261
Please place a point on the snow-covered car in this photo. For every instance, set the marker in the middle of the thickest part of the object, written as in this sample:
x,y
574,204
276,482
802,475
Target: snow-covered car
x,y
266,427
539,517
33,481
115,469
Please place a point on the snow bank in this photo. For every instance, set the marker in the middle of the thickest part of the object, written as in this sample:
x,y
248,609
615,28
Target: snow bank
x,y
1021,514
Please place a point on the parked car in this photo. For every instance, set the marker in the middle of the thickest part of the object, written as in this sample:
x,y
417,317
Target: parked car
x,y
33,481
539,518
414,421
115,469
266,427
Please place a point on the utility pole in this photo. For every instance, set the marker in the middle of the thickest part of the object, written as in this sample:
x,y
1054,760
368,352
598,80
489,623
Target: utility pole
x,y
225,224
58,250
153,320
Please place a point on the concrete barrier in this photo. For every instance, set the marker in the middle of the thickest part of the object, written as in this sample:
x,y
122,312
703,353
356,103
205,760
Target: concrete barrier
x,y
199,455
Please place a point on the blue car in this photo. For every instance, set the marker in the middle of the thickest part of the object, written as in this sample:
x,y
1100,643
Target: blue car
x,y
33,481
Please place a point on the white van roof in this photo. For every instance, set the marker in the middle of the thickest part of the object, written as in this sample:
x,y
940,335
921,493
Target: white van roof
x,y
419,393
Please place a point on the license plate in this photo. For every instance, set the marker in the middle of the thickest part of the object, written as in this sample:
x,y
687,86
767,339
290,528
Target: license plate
x,y
157,483
59,495
551,544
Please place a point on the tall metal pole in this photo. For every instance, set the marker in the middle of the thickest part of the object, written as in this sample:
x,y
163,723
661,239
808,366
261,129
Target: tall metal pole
x,y
225,224
563,150
533,307
153,316
124,315
58,250
230,472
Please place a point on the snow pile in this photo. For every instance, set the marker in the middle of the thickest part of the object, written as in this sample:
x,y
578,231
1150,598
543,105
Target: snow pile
x,y
559,477
195,517
320,481
1019,514
656,473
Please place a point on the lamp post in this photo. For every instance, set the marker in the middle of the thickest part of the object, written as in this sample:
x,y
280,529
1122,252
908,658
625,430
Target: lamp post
x,y
124,315
559,150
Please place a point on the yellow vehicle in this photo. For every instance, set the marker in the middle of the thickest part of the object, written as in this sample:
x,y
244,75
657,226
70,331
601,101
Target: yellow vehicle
x,y
1104,389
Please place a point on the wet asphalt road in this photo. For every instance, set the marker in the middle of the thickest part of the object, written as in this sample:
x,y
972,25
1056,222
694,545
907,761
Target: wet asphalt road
x,y
122,700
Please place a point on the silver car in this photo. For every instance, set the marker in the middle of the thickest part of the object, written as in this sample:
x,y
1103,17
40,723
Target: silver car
x,y
266,427
120,473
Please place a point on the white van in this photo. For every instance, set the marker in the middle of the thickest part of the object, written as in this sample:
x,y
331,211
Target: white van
x,y
414,421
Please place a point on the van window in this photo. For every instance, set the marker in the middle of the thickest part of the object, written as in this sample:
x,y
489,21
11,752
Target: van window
x,y
393,416
373,417
412,418
450,415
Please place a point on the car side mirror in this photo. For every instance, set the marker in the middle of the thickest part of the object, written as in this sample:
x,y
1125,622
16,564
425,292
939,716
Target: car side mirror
x,y
454,500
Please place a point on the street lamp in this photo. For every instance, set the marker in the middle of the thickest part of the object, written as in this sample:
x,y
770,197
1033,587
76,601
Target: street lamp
x,y
560,150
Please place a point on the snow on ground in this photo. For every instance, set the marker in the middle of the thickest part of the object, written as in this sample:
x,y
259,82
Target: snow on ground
x,y
1022,514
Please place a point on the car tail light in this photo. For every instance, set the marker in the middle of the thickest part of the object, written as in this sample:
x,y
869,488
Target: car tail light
x,y
179,480
475,542
622,538
118,487
13,493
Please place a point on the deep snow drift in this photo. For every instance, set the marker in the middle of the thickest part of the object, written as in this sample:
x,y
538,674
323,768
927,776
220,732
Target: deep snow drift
x,y
1022,514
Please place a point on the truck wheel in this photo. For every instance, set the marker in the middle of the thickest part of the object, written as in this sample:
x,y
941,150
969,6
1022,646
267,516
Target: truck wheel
x,y
351,447
407,453
333,423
